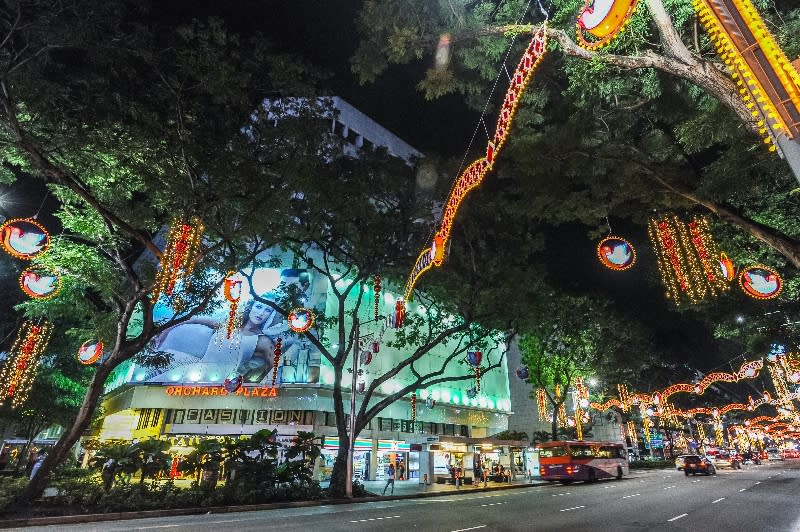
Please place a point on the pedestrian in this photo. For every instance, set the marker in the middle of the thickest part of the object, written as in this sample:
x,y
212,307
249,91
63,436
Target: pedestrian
x,y
458,477
401,471
478,476
38,464
389,479
108,474
31,462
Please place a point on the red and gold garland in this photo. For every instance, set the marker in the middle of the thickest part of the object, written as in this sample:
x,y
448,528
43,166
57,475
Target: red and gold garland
x,y
377,286
232,289
180,255
19,369
276,360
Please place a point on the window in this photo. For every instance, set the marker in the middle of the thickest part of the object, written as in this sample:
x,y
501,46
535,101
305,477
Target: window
x,y
584,451
156,417
449,430
385,423
550,452
464,431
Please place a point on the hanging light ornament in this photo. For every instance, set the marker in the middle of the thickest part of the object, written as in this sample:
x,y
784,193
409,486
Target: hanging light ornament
x,y
632,433
180,255
413,407
301,320
39,283
19,369
708,253
276,358
683,271
523,372
90,352
541,404
760,282
232,289
377,285
399,313
616,253
600,21
727,267
24,238
646,424
474,360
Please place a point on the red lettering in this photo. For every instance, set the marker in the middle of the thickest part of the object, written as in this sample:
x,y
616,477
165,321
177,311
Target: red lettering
x,y
273,392
196,390
215,390
205,390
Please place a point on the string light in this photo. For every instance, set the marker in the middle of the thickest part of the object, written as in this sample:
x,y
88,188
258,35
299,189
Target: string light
x,y
24,238
632,433
541,404
276,358
474,174
233,294
707,252
760,282
413,407
19,369
683,272
180,255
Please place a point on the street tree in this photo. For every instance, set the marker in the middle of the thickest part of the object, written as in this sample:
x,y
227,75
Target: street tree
x,y
132,124
652,120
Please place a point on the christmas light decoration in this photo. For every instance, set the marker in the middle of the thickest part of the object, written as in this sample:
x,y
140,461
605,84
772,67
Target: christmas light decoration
x,y
726,266
180,255
376,283
767,81
760,282
748,370
90,352
413,407
522,372
474,174
707,252
24,238
301,320
474,360
276,358
684,271
399,313
39,283
632,433
561,413
541,404
616,253
232,289
600,21
646,423
20,365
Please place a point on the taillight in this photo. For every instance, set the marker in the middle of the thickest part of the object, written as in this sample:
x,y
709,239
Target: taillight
x,y
569,470
543,471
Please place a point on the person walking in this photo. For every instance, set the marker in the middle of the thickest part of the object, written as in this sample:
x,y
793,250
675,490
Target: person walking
x,y
38,464
389,479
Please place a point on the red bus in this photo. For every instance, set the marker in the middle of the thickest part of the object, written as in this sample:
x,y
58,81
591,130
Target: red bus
x,y
582,460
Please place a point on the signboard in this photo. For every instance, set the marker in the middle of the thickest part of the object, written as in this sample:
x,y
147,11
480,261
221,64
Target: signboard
x,y
244,391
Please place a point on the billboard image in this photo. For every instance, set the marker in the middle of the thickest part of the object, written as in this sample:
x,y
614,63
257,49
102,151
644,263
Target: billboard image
x,y
200,351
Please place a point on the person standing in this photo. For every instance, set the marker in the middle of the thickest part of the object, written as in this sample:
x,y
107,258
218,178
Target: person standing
x,y
389,479
401,472
39,460
478,475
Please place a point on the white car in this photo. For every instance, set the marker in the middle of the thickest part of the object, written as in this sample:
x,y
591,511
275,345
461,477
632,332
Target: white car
x,y
774,454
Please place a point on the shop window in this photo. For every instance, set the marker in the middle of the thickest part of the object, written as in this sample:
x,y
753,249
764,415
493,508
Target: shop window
x,y
464,430
430,428
385,423
330,419
418,427
156,417
396,425
449,429
407,426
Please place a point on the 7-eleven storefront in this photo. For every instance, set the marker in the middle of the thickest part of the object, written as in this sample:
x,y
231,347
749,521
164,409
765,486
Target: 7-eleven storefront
x,y
371,458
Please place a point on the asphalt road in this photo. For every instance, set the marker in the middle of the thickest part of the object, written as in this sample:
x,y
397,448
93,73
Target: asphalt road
x,y
759,498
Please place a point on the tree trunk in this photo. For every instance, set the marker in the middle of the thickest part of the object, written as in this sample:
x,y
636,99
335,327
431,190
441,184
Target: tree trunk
x,y
554,425
36,486
338,483
339,474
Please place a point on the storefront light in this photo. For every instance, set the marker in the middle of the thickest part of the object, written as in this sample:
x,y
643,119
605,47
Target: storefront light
x,y
388,298
482,402
446,396
435,395
140,377
490,403
195,376
423,394
175,377
456,400
473,401
421,310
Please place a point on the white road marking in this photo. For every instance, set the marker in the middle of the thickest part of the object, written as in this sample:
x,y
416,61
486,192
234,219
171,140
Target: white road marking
x,y
356,521
629,496
573,508
757,483
494,503
669,487
677,517
720,499
743,489
471,528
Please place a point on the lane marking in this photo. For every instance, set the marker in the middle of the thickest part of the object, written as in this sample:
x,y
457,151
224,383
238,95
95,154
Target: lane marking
x,y
757,483
471,528
573,508
629,496
720,499
677,517
494,503
669,487
356,521
743,489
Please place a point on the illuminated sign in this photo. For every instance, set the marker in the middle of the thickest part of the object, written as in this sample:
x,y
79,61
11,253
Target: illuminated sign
x,y
208,391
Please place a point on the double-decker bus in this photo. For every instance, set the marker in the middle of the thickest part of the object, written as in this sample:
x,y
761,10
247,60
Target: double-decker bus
x,y
582,460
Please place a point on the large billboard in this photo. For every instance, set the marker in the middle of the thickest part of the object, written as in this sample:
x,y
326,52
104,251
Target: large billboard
x,y
201,352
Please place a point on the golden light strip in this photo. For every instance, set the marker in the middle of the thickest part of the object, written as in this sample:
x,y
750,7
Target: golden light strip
x,y
475,172
19,369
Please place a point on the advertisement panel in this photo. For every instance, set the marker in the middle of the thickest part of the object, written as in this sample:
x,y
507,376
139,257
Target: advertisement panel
x,y
200,351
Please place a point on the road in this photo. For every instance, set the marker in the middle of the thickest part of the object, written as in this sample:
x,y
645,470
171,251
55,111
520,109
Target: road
x,y
760,498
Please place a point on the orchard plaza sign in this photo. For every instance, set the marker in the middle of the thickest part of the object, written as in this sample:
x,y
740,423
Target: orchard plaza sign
x,y
210,391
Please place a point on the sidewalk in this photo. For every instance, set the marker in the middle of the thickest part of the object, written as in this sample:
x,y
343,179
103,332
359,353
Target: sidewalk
x,y
413,487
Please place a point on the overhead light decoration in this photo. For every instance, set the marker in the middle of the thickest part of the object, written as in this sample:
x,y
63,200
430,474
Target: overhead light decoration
x,y
474,174
24,238
413,407
760,282
616,253
39,283
90,352
523,372
727,267
377,287
180,255
541,404
19,369
399,313
301,320
684,259
232,290
708,253
600,21
474,359
276,359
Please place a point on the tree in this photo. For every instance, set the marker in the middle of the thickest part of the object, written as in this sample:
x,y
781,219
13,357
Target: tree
x,y
131,124
632,114
154,457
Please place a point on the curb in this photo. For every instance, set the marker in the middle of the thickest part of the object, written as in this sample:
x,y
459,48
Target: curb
x,y
175,512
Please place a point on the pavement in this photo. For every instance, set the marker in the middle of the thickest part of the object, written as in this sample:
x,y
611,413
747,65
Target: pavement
x,y
411,487
758,498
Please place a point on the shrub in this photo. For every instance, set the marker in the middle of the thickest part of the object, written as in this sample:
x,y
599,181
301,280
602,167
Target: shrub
x,y
9,488
652,464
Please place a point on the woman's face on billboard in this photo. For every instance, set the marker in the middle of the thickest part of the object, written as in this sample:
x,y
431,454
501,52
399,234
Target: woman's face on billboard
x,y
258,314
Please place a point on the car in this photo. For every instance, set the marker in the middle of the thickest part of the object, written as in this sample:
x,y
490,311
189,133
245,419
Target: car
x,y
694,464
679,461
725,459
774,454
750,458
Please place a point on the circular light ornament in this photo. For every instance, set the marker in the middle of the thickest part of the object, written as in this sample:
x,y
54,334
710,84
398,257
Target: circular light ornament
x,y
301,320
726,265
616,253
600,21
760,282
523,372
24,238
474,358
39,283
90,352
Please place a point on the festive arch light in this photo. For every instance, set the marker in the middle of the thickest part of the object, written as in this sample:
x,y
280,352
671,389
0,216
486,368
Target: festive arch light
x,y
600,21
19,369
180,255
90,352
475,172
616,253
301,320
760,282
24,238
39,283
